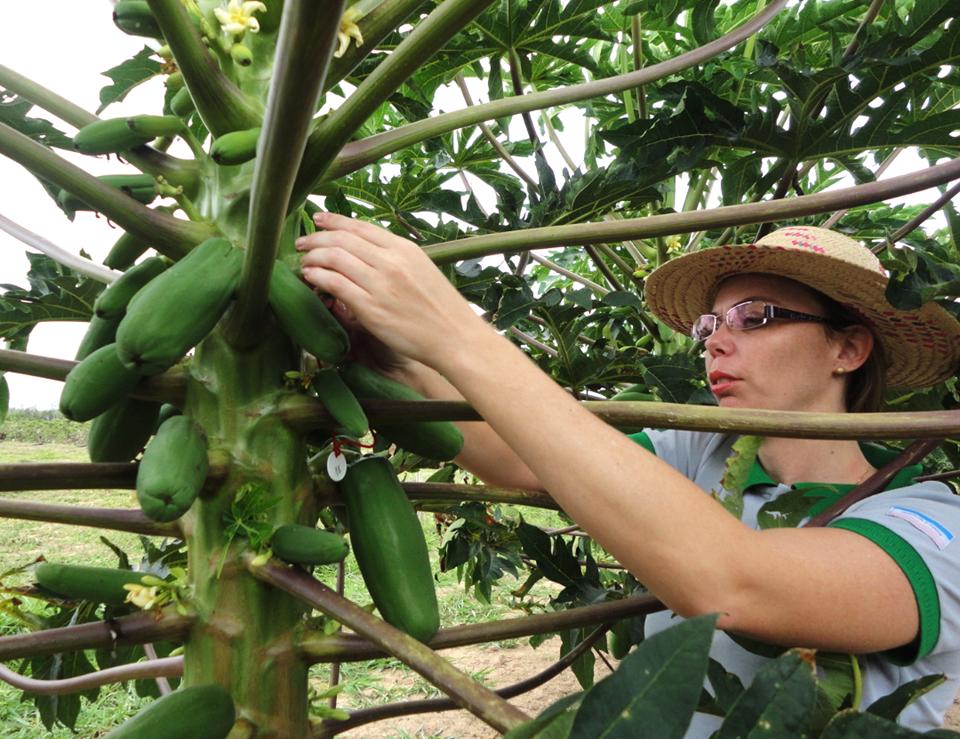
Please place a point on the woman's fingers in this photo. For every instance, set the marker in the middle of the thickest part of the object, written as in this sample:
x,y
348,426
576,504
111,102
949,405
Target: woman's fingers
x,y
368,231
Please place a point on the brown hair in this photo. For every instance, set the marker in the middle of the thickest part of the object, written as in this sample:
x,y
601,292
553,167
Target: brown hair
x,y
866,386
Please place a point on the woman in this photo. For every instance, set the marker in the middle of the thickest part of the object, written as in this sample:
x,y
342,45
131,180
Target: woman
x,y
790,323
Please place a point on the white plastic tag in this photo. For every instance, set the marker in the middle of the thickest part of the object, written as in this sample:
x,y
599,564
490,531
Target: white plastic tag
x,y
336,466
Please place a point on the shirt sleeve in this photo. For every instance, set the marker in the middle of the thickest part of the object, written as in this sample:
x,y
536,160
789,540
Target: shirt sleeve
x,y
688,452
917,526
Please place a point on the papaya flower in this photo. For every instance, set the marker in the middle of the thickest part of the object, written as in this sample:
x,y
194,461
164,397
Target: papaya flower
x,y
349,30
142,596
237,17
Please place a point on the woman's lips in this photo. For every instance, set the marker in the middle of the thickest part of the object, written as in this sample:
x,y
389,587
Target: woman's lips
x,y
720,382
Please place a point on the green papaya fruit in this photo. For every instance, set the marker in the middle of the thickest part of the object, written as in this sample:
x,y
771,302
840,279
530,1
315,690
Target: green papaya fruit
x,y
108,136
235,147
307,545
182,104
173,469
179,307
340,402
96,383
100,332
133,17
112,302
439,440
155,126
389,547
80,582
192,712
127,250
121,432
304,317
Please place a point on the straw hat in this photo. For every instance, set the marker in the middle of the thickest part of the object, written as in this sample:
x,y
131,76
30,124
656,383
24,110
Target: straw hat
x,y
922,346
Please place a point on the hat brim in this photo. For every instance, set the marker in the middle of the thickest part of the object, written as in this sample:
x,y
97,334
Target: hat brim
x,y
922,347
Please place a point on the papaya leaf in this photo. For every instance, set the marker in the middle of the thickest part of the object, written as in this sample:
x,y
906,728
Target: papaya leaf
x,y
582,666
552,723
134,71
890,706
853,725
742,457
727,687
838,686
657,685
56,293
780,700
13,112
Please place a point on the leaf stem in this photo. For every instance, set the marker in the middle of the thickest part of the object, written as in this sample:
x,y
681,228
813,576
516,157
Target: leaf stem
x,y
422,43
171,236
166,667
115,519
56,253
307,39
222,106
473,696
351,648
371,149
676,223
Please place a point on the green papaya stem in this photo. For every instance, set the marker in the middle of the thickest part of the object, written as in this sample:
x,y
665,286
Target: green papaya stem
x,y
308,37
115,519
469,694
363,716
421,44
138,628
320,647
221,104
792,424
58,254
603,267
638,61
359,154
375,26
176,171
676,223
168,387
170,236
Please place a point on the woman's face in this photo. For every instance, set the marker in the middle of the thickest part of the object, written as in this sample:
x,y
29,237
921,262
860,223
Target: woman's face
x,y
783,365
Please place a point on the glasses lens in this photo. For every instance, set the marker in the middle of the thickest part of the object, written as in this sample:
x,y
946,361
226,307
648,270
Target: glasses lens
x,y
746,316
704,326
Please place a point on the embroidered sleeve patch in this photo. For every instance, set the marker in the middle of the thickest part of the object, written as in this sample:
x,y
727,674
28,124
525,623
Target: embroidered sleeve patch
x,y
939,533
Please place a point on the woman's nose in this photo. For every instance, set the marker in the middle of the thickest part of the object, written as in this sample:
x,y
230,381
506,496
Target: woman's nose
x,y
719,342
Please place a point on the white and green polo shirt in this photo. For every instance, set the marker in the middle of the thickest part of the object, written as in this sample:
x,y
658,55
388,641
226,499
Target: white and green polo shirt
x,y
915,523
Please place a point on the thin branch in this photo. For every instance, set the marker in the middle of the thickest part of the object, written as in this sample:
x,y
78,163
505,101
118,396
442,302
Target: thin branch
x,y
167,625
170,236
603,268
335,667
470,694
638,60
492,140
222,105
881,168
948,475
580,337
308,37
332,727
306,414
535,343
86,476
373,148
669,224
169,387
159,668
329,137
351,648
58,254
163,685
555,140
580,279
923,215
114,519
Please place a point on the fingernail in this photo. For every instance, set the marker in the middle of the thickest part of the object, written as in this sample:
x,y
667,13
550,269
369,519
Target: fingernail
x,y
299,243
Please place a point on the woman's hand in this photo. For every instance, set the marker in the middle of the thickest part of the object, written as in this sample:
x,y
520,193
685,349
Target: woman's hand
x,y
388,285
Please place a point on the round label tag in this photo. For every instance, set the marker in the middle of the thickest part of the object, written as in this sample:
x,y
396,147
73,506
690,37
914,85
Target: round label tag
x,y
336,466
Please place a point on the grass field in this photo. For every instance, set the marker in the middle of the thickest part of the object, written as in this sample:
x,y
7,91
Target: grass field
x,y
22,542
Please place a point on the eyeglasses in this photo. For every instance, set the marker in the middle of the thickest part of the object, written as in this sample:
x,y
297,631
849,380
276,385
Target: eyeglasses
x,y
746,316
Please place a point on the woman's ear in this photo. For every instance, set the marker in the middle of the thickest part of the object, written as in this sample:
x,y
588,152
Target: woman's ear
x,y
854,345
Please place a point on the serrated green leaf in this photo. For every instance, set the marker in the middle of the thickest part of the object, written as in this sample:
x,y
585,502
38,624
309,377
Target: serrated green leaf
x,y
13,112
134,71
854,725
657,685
743,454
890,706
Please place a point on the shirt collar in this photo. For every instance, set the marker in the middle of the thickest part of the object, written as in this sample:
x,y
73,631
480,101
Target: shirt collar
x,y
876,454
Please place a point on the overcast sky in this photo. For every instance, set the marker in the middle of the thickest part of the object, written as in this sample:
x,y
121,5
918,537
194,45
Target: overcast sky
x,y
66,46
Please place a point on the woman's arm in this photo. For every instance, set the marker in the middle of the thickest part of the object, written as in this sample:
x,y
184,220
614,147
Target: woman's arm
x,y
823,588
